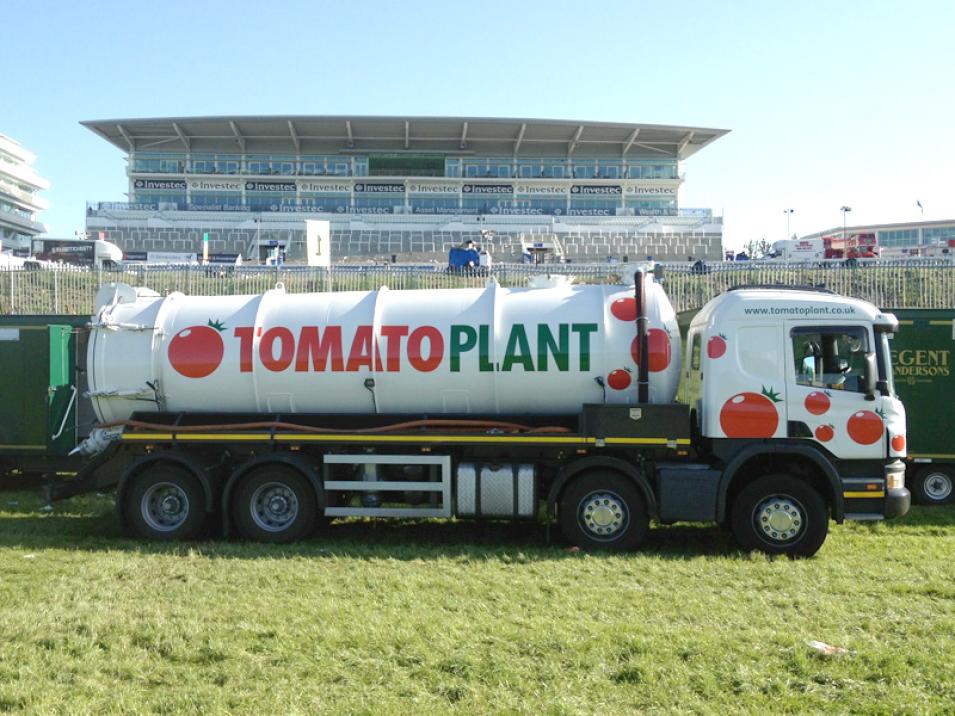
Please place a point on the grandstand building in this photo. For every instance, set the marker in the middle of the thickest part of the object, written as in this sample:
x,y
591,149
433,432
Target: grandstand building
x,y
407,188
19,199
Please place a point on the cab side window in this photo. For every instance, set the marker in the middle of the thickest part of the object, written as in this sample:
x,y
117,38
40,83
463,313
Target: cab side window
x,y
831,358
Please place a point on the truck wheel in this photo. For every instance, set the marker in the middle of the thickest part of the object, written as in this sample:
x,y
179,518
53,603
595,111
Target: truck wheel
x,y
603,511
164,502
933,485
779,514
274,503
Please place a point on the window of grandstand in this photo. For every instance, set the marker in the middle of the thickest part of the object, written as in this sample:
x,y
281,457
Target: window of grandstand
x,y
215,201
452,167
159,163
488,167
406,165
162,199
938,234
899,237
272,164
215,163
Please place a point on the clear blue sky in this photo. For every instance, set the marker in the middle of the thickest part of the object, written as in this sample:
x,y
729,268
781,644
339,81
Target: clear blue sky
x,y
829,103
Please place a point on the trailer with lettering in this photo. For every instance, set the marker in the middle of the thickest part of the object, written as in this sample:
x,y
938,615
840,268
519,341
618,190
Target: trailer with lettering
x,y
922,353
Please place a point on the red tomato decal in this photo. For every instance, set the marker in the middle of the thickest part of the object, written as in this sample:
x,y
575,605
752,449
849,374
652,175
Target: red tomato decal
x,y
824,433
716,346
625,309
750,415
898,443
658,343
197,351
865,427
619,380
817,402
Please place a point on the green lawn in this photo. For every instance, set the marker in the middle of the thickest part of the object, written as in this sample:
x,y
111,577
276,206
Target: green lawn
x,y
468,618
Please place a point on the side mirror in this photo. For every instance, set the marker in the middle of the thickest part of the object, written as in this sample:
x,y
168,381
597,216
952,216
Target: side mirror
x,y
871,375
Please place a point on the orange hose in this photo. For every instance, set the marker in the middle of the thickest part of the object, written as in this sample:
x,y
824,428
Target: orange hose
x,y
457,425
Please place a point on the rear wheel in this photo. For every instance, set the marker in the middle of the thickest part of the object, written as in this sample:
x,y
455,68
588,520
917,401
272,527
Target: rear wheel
x,y
274,503
933,485
164,502
603,511
779,514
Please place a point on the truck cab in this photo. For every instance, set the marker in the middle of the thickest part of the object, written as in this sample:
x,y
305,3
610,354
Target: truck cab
x,y
805,376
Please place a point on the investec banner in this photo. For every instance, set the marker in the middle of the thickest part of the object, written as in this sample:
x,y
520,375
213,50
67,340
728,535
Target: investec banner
x,y
379,188
174,184
270,186
488,189
542,189
651,190
324,187
214,184
432,187
596,189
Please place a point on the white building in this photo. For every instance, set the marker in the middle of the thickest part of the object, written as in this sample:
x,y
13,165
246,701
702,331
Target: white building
x,y
19,199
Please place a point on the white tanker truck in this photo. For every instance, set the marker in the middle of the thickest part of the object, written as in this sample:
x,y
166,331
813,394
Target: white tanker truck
x,y
276,412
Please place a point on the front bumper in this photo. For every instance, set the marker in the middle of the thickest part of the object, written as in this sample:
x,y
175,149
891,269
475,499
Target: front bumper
x,y
897,502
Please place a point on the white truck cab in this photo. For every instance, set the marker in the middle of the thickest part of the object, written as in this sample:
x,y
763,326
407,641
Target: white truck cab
x,y
806,369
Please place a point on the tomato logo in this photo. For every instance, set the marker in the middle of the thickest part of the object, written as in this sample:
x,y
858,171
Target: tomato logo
x,y
898,443
824,433
817,402
658,344
865,427
197,351
750,415
716,346
619,379
625,309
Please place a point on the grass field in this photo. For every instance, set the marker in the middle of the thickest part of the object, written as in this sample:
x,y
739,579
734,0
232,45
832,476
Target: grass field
x,y
468,618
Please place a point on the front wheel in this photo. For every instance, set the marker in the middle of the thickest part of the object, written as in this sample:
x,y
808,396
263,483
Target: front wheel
x,y
779,514
934,485
603,511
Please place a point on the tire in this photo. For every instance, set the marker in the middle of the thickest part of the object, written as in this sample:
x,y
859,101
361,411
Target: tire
x,y
603,511
164,502
933,485
779,514
274,503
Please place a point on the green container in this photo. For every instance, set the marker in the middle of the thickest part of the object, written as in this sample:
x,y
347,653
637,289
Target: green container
x,y
38,393
923,351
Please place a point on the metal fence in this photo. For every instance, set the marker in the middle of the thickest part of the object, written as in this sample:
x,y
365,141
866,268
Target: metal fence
x,y
905,285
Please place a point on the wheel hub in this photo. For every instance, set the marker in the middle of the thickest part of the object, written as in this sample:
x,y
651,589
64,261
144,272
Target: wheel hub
x,y
164,507
938,486
603,514
274,507
780,518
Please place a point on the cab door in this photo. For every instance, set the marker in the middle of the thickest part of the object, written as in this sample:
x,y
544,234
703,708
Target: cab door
x,y
825,379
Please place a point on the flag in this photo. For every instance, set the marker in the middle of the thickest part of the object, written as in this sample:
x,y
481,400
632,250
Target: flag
x,y
919,204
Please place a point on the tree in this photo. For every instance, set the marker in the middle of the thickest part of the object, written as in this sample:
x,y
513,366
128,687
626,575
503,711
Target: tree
x,y
757,248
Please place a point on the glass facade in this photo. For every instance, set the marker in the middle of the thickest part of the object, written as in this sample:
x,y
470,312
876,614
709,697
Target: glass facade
x,y
484,184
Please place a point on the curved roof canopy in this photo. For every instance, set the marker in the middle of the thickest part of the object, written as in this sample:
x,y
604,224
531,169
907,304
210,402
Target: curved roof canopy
x,y
446,135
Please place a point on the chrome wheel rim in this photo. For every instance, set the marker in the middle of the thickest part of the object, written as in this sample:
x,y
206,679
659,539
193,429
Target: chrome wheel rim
x,y
164,507
603,515
780,518
937,486
274,507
